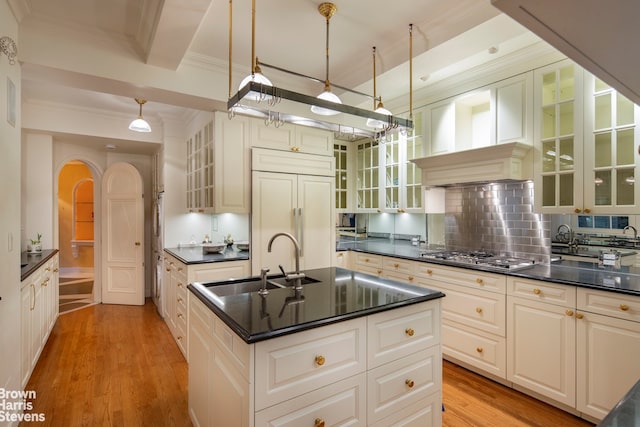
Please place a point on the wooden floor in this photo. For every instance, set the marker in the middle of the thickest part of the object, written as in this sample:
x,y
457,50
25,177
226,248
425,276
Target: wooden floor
x,y
110,365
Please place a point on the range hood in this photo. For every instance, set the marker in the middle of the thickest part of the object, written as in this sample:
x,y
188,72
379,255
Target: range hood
x,y
487,164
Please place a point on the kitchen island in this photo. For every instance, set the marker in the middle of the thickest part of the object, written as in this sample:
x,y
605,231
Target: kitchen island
x,y
349,346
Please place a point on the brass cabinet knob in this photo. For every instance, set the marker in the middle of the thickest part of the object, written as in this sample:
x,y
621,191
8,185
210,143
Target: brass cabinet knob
x,y
576,210
409,383
55,270
569,313
168,269
320,360
479,310
179,268
319,422
409,332
180,315
179,338
179,299
410,278
479,281
137,243
396,265
579,315
624,307
587,210
379,272
537,291
180,284
429,272
479,349
48,269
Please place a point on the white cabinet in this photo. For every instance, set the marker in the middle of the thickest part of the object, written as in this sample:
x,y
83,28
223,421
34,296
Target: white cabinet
x,y
38,314
541,338
218,171
298,202
608,342
176,276
473,316
384,369
291,138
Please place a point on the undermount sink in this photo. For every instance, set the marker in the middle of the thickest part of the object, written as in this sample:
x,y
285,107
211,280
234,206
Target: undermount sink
x,y
253,284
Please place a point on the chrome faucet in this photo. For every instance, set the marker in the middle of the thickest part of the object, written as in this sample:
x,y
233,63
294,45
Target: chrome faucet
x,y
573,245
297,276
631,227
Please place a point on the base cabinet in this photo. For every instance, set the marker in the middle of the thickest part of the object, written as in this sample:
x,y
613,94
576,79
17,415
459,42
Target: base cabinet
x,y
176,276
38,314
324,376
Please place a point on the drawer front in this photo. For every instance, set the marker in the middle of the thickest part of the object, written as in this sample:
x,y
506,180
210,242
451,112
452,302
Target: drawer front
x,y
289,366
397,265
198,311
181,330
368,260
535,290
463,277
482,310
397,333
239,351
210,272
484,351
400,277
341,403
394,386
609,304
424,413
367,269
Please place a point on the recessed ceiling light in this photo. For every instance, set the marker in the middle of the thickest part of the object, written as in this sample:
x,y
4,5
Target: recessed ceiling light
x,y
493,49
425,77
110,146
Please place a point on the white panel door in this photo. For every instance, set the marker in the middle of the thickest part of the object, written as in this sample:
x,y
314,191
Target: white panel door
x,y
122,236
316,201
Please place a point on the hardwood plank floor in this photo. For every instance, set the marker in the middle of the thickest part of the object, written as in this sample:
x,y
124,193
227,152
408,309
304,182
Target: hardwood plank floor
x,y
472,400
111,365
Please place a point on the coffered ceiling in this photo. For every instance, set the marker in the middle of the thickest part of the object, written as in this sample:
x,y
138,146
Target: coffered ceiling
x,y
100,54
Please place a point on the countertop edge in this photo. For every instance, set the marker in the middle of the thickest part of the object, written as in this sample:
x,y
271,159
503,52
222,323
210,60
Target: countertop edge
x,y
32,266
215,258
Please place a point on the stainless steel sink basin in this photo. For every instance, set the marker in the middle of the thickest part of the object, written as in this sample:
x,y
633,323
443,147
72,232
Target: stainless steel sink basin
x,y
253,284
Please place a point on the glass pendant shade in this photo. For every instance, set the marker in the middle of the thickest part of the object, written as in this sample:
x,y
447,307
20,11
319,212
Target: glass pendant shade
x,y
256,77
140,124
379,124
327,95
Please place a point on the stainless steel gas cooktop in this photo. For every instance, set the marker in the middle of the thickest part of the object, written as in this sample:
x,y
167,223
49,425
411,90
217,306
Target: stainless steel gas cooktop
x,y
481,258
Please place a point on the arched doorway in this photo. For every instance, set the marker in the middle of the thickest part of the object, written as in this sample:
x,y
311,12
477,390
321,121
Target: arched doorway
x,y
76,236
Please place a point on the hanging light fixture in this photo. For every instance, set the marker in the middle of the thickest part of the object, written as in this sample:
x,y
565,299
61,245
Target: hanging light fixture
x,y
327,10
256,75
140,124
379,108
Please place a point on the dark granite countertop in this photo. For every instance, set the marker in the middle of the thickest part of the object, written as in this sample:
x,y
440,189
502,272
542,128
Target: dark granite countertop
x,y
626,412
30,262
625,279
194,255
338,295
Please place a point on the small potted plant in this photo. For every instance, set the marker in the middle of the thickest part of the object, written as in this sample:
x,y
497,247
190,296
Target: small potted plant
x,y
36,245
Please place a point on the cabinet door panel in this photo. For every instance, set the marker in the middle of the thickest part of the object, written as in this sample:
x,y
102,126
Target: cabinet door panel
x,y
511,113
316,220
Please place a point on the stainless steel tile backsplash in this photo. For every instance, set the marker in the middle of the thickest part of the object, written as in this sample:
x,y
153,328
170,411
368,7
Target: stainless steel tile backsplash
x,y
498,218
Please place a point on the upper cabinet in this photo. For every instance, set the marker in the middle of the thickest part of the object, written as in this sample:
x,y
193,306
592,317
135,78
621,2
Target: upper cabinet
x,y
495,114
586,136
289,137
218,172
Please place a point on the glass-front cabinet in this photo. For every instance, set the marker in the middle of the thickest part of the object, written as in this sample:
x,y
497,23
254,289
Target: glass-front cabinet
x,y
558,138
368,176
611,162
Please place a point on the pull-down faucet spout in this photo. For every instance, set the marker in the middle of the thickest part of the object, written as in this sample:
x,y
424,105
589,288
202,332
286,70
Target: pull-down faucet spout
x,y
297,275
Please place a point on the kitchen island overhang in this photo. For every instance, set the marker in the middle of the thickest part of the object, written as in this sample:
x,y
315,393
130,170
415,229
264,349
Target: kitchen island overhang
x,y
338,295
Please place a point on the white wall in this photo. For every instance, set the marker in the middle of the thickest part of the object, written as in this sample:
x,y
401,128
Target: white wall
x,y
37,189
9,214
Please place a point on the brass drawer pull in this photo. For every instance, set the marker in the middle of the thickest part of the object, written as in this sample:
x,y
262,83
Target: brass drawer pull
x,y
479,310
409,383
409,331
366,260
479,350
179,338
479,281
569,313
429,272
579,315
537,291
410,278
319,422
179,299
180,284
179,268
396,265
180,315
320,360
624,307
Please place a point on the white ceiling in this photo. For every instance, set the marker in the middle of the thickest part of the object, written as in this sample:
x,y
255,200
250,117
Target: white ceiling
x,y
449,37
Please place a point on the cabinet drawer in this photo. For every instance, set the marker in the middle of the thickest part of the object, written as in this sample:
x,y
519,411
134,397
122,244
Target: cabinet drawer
x,y
397,333
219,271
476,348
368,260
341,403
424,413
535,290
460,276
609,303
198,311
289,366
394,386
397,265
400,277
471,307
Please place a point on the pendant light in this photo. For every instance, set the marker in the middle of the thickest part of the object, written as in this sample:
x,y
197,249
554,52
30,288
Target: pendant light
x,y
256,73
327,10
140,124
371,122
